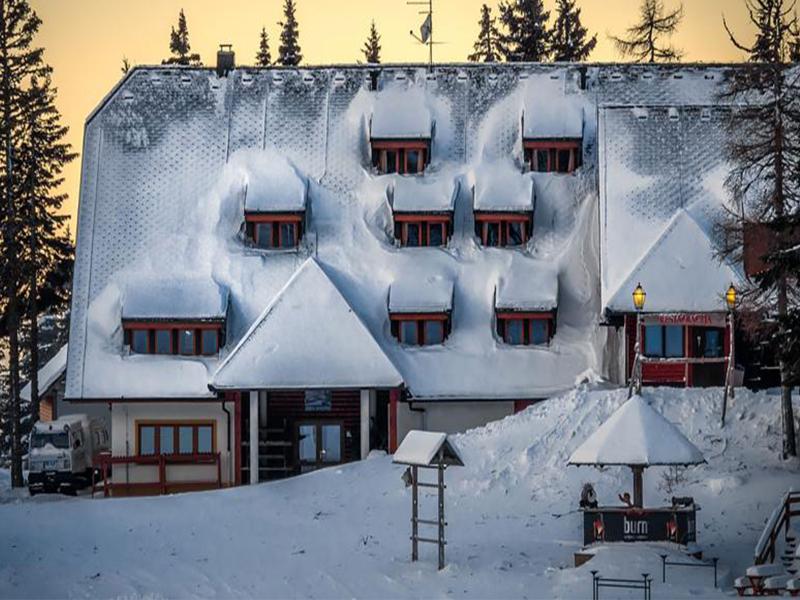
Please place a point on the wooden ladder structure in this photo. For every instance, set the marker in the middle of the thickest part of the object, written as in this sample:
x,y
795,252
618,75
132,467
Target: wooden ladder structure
x,y
274,449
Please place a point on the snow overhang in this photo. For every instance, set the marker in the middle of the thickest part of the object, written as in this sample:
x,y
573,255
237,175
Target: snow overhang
x,y
528,288
272,184
501,187
426,295
174,300
418,194
546,119
401,114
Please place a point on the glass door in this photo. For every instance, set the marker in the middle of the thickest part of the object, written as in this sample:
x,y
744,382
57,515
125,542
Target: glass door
x,y
319,444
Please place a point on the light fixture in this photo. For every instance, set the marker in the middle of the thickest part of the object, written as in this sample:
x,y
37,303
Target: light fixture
x,y
730,297
639,297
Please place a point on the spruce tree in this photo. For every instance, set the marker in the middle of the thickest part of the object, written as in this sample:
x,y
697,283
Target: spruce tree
x,y
570,41
179,45
643,42
526,36
372,47
263,56
289,51
764,183
487,46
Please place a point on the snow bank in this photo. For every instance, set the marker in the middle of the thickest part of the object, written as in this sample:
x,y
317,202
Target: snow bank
x,y
271,183
421,295
526,289
401,112
415,194
174,299
500,186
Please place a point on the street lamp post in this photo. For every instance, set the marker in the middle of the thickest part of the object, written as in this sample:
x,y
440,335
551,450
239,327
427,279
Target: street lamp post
x,y
639,297
730,300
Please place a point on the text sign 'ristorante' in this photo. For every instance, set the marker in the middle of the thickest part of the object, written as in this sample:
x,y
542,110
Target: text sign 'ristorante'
x,y
695,319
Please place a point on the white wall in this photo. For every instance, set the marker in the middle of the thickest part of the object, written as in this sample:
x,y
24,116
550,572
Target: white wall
x,y
449,417
124,416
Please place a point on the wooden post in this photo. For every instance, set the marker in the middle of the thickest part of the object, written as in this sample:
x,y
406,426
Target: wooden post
x,y
253,437
414,514
637,486
394,399
364,429
441,512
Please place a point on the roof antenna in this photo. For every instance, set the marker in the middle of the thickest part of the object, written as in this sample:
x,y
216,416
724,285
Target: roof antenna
x,y
426,29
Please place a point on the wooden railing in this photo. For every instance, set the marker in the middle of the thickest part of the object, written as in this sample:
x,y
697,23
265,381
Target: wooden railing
x,y
161,461
780,518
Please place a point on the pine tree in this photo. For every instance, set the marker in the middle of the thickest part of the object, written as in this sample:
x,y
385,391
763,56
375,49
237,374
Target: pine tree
x,y
19,63
372,47
764,151
526,36
570,41
179,45
644,40
289,51
263,56
486,48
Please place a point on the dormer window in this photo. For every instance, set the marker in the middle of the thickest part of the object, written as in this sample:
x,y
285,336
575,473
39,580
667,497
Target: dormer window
x,y
185,339
502,230
525,305
553,156
270,231
420,314
401,129
503,202
423,211
552,136
525,329
404,157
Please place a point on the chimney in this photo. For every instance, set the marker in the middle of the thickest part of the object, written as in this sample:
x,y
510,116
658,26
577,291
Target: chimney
x,y
225,60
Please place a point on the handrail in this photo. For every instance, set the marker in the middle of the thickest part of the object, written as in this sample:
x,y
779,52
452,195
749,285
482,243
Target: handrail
x,y
781,517
106,460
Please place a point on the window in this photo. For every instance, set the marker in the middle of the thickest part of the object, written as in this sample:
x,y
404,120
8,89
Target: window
x,y
175,438
501,230
709,342
140,341
274,230
420,330
421,230
210,341
554,156
663,341
186,341
403,157
525,329
183,339
163,341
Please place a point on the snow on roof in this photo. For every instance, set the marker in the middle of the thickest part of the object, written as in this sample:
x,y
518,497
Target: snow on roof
x,y
421,295
308,337
271,183
636,434
528,288
500,186
49,374
424,194
544,119
420,448
401,113
174,299
678,272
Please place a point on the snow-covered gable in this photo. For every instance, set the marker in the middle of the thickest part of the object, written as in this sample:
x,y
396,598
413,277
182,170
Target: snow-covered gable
x,y
174,299
424,295
528,287
271,183
678,273
499,186
421,449
636,434
308,337
401,112
52,370
418,194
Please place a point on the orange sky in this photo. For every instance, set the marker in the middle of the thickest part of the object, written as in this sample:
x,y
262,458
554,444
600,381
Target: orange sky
x,y
85,40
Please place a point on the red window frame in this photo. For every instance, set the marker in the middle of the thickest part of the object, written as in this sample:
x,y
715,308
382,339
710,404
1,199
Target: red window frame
x,y
503,317
420,319
380,149
425,223
276,220
157,425
503,222
552,147
175,329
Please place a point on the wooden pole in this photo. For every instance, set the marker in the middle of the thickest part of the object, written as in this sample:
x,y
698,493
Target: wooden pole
x,y
414,514
441,513
638,481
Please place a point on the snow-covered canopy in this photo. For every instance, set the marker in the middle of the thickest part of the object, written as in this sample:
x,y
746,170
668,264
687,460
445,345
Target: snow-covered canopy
x,y
308,337
545,119
424,295
401,113
415,194
421,448
678,272
52,370
637,435
271,183
499,186
174,299
528,288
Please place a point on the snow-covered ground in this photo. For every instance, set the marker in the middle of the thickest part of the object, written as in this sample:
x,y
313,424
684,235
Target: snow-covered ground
x,y
343,532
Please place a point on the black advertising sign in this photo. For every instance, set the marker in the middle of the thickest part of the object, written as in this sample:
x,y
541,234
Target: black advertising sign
x,y
639,525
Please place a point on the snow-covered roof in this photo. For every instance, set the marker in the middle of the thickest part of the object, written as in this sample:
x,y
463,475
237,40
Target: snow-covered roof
x,y
636,434
174,299
271,183
500,186
421,448
544,119
528,288
308,337
424,295
401,113
414,194
49,374
678,273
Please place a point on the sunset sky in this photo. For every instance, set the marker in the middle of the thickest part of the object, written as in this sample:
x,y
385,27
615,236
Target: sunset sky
x,y
85,40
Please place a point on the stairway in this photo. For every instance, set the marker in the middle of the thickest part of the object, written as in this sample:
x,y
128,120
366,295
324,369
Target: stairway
x,y
274,453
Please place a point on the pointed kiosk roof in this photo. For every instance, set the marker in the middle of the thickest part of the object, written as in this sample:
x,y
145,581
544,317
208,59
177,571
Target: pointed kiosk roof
x,y
637,435
308,337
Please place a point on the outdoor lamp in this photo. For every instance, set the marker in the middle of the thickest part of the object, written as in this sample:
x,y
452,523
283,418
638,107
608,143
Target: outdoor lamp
x,y
730,297
639,297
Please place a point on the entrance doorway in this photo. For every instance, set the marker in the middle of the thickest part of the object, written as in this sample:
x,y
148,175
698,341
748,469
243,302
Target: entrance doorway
x,y
319,444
